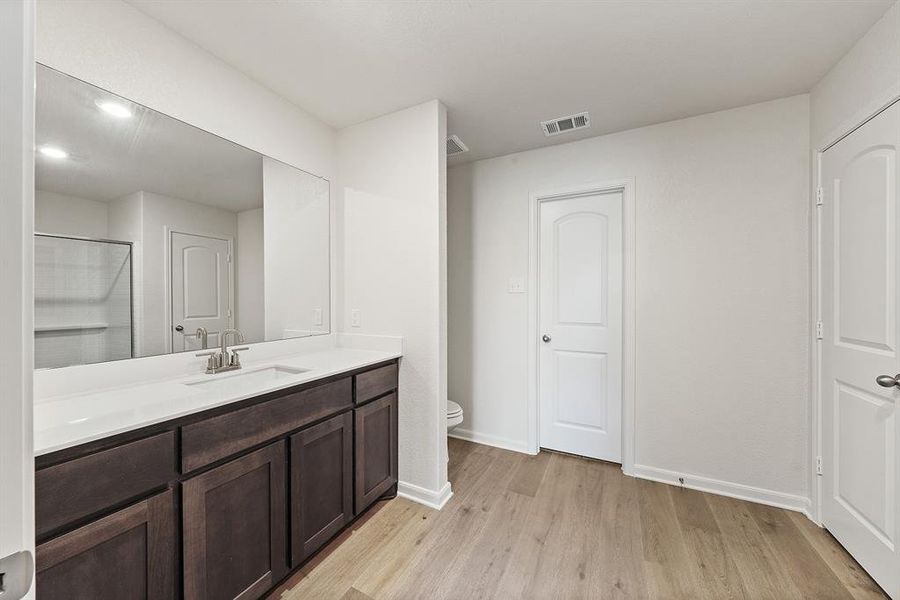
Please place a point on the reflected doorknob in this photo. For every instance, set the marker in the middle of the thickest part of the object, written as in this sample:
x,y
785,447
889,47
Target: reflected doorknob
x,y
546,338
888,381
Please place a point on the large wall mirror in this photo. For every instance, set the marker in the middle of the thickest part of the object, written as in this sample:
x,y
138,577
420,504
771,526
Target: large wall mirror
x,y
153,236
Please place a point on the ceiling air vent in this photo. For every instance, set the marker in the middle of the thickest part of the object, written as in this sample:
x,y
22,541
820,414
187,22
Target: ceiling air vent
x,y
564,124
455,146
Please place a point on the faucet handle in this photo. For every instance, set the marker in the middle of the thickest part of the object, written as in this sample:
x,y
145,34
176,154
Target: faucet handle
x,y
213,362
235,360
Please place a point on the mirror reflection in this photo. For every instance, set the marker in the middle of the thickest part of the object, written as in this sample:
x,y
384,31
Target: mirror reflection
x,y
153,236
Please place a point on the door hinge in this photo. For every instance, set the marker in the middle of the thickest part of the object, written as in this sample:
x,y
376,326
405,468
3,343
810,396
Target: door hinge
x,y
228,258
820,196
229,313
820,330
819,465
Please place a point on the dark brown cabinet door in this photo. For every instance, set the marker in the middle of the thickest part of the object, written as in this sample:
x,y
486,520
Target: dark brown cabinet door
x,y
234,527
128,554
321,484
376,449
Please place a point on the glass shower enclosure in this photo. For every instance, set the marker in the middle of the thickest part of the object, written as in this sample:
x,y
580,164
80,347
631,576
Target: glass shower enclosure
x,y
82,300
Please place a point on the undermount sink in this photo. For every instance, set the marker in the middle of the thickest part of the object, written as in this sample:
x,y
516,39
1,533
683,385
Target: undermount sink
x,y
249,378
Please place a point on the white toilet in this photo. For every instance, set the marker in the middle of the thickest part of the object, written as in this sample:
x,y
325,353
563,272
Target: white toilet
x,y
454,415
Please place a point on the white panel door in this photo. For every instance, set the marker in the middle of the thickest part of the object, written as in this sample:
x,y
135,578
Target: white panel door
x,y
859,282
201,289
580,324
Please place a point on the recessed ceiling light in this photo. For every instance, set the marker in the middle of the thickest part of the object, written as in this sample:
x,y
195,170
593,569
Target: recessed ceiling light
x,y
53,152
120,111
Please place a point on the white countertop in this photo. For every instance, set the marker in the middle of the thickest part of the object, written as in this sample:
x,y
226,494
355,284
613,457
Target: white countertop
x,y
63,421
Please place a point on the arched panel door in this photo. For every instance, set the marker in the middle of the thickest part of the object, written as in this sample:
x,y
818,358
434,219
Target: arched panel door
x,y
860,320
580,324
201,290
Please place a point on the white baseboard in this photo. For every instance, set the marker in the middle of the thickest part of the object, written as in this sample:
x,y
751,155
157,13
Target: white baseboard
x,y
725,488
489,440
694,482
429,498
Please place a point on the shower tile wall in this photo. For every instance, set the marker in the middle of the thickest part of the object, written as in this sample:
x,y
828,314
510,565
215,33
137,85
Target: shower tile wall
x,y
82,301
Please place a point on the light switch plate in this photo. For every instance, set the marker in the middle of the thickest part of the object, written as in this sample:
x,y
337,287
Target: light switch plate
x,y
355,318
516,285
317,316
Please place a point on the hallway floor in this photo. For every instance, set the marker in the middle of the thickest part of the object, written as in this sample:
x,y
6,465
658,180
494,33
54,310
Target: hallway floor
x,y
558,526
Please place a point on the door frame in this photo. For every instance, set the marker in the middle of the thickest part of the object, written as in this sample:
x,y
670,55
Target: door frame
x,y
17,299
817,434
168,277
626,187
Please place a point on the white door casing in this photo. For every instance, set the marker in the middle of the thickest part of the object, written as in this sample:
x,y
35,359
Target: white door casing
x,y
860,332
580,296
200,287
16,298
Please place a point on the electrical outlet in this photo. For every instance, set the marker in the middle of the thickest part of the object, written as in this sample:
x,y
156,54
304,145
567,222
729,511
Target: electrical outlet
x,y
317,316
516,285
355,320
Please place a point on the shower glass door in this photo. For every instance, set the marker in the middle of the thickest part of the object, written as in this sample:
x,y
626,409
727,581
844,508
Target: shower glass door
x,y
82,301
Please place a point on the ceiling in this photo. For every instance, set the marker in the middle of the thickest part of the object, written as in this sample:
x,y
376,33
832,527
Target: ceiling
x,y
110,158
501,67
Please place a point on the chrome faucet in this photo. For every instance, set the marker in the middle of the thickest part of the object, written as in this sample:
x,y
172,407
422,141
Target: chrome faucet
x,y
223,337
203,336
222,359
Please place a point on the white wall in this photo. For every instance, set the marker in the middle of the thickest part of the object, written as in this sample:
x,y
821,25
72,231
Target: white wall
x,y
70,215
392,218
862,81
297,222
126,223
722,289
249,268
115,46
16,246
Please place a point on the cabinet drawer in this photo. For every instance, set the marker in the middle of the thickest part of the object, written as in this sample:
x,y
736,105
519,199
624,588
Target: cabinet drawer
x,y
376,382
128,554
81,487
219,437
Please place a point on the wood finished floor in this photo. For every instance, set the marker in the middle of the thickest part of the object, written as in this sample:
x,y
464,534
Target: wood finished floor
x,y
558,526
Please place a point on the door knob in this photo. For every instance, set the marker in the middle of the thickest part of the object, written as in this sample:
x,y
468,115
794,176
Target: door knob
x,y
546,338
179,328
888,381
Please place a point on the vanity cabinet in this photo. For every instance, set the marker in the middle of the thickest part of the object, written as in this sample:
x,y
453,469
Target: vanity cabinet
x,y
128,554
376,449
321,484
216,505
225,435
233,523
72,490
375,383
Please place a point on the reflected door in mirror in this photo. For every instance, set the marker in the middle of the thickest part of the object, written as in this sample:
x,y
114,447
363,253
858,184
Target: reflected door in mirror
x,y
201,290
